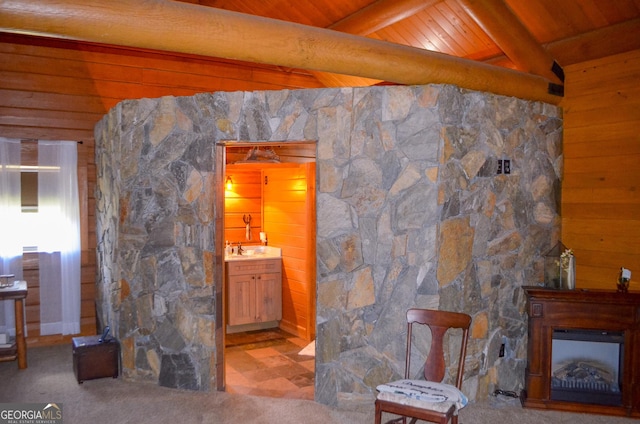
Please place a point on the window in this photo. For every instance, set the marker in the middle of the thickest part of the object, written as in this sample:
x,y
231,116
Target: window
x,y
43,216
29,210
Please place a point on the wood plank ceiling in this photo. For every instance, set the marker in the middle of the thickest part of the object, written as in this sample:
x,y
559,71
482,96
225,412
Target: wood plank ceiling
x,y
569,31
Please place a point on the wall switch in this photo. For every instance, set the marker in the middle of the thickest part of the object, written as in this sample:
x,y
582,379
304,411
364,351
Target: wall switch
x,y
506,166
499,166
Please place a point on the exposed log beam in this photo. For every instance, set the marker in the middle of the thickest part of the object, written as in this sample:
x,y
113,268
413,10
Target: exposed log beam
x,y
506,30
182,27
379,15
614,39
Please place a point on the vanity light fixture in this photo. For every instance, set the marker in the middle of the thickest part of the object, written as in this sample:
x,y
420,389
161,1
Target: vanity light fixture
x,y
228,183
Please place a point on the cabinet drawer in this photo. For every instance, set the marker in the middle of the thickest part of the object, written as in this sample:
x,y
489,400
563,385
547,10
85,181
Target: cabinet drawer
x,y
254,266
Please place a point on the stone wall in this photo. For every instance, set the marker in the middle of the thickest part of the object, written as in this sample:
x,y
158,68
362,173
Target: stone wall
x,y
155,223
410,213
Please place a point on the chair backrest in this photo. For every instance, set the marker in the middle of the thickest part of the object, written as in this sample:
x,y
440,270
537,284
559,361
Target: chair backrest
x,y
439,322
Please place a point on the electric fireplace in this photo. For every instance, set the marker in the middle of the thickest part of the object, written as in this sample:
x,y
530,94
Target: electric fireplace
x,y
583,351
586,366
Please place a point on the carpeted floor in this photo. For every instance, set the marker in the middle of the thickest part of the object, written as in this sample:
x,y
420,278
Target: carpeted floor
x,y
50,379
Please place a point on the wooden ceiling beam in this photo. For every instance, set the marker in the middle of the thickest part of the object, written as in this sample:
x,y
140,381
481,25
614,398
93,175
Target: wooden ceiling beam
x,y
619,38
379,15
365,21
513,38
182,27
614,39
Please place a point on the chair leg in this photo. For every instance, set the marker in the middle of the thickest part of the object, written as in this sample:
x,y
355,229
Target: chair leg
x,y
378,418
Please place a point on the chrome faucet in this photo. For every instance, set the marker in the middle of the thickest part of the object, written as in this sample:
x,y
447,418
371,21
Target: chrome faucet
x,y
240,249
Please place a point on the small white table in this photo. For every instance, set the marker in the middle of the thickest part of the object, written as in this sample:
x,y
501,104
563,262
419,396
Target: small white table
x,y
17,292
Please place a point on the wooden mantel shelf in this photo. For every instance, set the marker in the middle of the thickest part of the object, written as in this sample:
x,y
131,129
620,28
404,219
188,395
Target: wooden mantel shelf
x,y
584,295
605,310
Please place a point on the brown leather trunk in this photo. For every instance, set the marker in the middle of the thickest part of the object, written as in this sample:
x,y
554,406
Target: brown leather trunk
x,y
94,359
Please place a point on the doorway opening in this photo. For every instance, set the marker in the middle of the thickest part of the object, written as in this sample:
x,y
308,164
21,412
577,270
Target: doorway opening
x,y
269,268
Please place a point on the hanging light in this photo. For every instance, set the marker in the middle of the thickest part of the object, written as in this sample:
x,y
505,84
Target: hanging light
x,y
228,183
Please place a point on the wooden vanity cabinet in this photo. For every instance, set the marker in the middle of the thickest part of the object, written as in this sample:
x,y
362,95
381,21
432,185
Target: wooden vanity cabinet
x,y
254,291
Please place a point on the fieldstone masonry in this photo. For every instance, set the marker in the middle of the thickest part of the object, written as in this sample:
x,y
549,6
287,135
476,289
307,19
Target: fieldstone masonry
x,y
410,213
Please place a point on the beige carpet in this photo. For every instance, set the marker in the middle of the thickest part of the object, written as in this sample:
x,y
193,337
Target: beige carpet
x,y
50,378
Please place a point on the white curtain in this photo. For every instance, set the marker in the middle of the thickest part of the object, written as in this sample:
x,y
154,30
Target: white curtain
x,y
10,240
59,247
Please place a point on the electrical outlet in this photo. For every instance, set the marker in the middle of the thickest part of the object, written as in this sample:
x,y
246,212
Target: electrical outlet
x,y
506,166
501,354
499,166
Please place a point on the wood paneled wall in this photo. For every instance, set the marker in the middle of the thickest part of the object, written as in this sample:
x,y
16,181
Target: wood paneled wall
x,y
62,88
289,221
601,186
243,200
58,90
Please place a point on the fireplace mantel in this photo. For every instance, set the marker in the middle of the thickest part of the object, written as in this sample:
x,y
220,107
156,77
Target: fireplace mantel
x,y
605,310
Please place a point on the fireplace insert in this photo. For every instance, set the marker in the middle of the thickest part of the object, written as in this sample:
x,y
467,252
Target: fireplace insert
x,y
587,366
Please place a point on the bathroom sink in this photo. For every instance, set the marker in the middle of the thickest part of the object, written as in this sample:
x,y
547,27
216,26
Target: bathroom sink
x,y
255,252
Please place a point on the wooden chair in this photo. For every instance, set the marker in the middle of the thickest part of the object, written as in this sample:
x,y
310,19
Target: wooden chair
x,y
395,399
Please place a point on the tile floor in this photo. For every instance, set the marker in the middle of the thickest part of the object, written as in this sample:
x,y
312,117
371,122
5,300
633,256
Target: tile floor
x,y
267,363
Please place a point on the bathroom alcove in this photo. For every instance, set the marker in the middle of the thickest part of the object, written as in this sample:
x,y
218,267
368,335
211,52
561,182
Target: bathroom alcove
x,y
410,213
